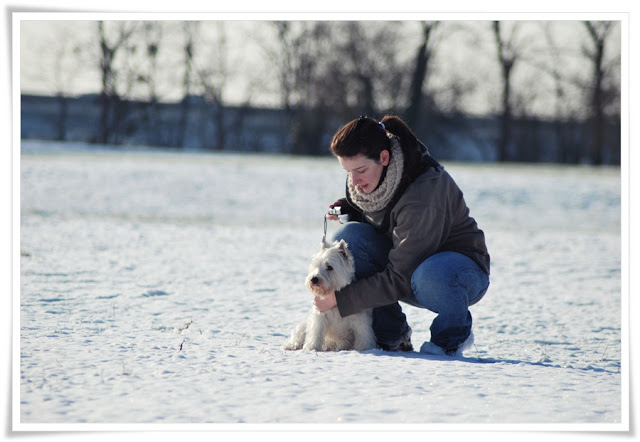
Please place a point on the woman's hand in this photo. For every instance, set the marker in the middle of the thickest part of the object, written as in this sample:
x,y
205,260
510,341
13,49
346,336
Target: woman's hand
x,y
332,217
324,303
338,203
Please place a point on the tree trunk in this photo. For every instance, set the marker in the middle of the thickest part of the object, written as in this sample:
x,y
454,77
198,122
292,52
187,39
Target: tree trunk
x,y
419,76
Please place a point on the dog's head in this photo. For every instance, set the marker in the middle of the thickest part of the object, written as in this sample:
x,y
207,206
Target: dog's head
x,y
331,268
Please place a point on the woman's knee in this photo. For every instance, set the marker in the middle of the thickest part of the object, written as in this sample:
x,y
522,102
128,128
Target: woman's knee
x,y
370,249
448,278
428,280
353,232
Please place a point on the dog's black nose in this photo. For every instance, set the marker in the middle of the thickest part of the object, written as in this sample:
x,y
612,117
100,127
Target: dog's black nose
x,y
314,280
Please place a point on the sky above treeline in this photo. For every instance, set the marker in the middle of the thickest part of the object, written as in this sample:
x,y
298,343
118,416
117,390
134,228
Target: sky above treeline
x,y
60,52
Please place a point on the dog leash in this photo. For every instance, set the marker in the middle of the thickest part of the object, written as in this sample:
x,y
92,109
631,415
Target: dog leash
x,y
324,235
341,218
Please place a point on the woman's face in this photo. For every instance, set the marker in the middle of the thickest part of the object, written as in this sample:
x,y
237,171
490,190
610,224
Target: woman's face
x,y
365,173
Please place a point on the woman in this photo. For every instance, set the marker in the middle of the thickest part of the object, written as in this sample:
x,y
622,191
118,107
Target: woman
x,y
415,241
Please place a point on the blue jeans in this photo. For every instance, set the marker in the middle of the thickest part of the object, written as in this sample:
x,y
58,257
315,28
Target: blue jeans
x,y
446,283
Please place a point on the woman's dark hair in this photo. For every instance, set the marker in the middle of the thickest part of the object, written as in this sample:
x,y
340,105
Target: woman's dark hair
x,y
362,136
368,137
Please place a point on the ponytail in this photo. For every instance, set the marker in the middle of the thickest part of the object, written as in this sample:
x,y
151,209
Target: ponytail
x,y
409,143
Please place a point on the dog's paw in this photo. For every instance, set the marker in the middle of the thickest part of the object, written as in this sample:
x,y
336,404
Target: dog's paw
x,y
312,346
290,345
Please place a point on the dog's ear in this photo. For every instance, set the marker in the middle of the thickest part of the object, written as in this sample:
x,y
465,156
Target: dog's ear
x,y
324,242
343,247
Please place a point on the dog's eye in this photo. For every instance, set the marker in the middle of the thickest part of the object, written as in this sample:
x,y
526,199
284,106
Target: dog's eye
x,y
329,268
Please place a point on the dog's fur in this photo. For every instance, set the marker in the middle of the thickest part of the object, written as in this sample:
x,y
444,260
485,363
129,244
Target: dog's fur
x,y
331,269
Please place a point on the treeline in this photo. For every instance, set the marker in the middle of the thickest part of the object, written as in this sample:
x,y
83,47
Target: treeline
x,y
325,73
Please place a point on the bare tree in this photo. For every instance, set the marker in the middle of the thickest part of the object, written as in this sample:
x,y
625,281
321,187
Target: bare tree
x,y
311,49
598,31
63,77
212,76
563,115
147,75
190,30
285,63
363,66
423,56
363,74
282,58
339,69
57,69
303,49
507,57
109,96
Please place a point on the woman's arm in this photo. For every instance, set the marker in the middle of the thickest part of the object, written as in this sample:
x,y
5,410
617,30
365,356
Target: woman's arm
x,y
417,235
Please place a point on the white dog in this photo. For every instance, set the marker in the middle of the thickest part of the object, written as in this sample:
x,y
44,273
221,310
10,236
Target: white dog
x,y
331,269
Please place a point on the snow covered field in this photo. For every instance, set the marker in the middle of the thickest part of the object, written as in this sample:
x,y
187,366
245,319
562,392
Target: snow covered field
x,y
158,288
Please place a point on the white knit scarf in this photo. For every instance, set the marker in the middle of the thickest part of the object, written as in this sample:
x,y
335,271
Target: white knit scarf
x,y
380,197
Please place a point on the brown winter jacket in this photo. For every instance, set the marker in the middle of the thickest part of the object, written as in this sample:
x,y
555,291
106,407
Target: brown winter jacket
x,y
431,216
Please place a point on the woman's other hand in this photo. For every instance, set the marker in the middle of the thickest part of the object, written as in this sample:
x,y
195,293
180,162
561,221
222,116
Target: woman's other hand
x,y
324,303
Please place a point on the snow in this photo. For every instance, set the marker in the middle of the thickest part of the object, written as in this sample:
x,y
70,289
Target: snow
x,y
157,287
